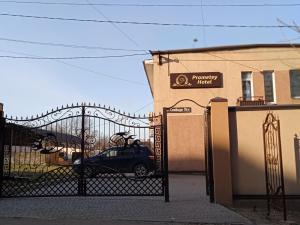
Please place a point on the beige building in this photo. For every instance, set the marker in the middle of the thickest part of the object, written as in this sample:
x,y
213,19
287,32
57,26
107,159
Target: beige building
x,y
244,74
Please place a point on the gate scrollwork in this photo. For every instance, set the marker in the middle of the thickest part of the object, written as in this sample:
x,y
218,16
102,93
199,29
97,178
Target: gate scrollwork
x,y
273,164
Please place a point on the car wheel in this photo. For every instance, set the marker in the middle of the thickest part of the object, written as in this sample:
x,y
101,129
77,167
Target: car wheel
x,y
140,170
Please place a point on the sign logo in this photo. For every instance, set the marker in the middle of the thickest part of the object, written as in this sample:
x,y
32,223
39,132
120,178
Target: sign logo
x,y
182,81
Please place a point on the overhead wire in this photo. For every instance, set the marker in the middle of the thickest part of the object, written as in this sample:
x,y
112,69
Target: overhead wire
x,y
235,60
223,59
70,45
83,69
54,44
181,63
113,24
203,23
142,54
153,5
145,23
290,43
71,57
143,107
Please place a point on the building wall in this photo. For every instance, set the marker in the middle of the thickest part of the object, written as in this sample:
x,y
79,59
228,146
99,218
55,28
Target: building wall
x,y
224,62
186,144
247,150
230,63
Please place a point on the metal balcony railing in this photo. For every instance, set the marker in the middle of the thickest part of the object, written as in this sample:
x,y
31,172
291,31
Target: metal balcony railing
x,y
253,100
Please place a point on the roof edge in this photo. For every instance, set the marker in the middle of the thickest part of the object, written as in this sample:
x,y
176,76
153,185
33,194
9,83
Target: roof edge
x,y
224,48
144,65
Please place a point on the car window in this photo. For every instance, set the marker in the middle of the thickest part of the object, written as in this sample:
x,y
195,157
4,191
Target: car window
x,y
126,152
111,153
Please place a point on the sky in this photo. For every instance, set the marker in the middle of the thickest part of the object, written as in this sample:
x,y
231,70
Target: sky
x,y
31,86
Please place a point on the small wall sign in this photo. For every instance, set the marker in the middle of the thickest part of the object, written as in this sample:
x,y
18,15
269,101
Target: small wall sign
x,y
180,110
196,80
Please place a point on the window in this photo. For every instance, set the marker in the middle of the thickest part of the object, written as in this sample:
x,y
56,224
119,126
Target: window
x,y
126,152
247,85
269,85
110,153
295,83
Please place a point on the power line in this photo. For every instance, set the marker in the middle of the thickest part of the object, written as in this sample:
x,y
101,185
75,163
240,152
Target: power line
x,y
203,23
234,60
116,49
143,107
71,57
83,69
70,45
114,25
153,5
121,56
146,23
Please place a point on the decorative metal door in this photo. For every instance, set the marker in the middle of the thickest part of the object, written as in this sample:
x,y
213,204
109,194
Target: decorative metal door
x,y
273,164
73,150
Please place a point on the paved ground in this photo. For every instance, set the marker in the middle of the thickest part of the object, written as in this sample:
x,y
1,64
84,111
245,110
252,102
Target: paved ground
x,y
188,205
256,211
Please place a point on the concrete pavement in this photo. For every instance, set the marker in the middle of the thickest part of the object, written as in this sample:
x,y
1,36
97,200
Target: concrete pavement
x,y
188,205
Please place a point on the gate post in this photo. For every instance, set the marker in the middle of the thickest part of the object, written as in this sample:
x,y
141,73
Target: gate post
x,y
166,159
208,158
2,130
221,151
82,189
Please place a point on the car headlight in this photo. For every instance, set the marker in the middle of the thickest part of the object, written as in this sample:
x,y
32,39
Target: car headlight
x,y
77,162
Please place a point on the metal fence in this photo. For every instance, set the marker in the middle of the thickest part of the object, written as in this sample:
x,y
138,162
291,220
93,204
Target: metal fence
x,y
82,150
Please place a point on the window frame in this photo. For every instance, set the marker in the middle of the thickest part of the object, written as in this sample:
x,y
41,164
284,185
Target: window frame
x,y
291,91
251,83
273,86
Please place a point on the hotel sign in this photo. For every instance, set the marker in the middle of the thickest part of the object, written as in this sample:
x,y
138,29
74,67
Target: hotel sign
x,y
196,80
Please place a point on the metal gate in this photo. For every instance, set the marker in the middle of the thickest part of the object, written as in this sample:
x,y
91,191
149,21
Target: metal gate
x,y
273,164
82,150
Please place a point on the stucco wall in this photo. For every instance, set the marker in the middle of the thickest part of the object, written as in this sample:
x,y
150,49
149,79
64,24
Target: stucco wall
x,y
186,144
247,150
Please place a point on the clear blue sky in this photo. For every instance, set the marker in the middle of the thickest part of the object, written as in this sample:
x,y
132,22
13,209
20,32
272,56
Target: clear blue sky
x,y
33,86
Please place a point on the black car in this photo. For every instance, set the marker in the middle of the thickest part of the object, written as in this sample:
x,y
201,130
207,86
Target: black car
x,y
137,159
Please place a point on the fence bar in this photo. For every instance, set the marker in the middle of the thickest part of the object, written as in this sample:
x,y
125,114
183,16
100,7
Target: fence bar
x,y
166,165
82,147
2,129
282,175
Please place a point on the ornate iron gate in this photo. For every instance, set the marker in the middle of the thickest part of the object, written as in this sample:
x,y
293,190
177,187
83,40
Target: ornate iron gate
x,y
82,150
273,164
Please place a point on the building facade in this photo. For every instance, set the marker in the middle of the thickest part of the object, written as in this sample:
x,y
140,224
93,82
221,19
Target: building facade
x,y
267,74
